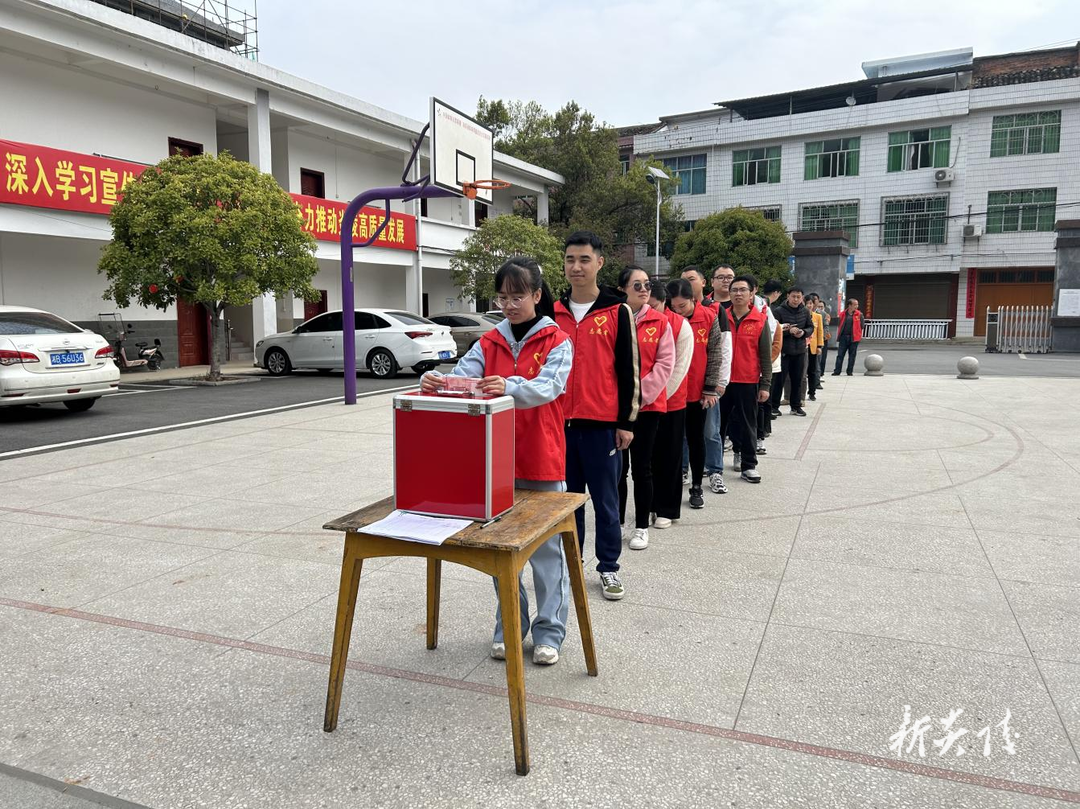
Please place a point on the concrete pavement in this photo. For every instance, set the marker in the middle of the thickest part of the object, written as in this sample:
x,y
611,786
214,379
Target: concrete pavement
x,y
916,542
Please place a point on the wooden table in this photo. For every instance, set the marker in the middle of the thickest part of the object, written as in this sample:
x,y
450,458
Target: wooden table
x,y
499,549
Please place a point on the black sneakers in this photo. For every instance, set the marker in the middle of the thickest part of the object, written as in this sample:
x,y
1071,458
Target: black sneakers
x,y
697,500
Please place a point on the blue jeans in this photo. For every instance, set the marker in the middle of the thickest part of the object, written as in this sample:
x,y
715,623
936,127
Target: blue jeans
x,y
714,442
551,579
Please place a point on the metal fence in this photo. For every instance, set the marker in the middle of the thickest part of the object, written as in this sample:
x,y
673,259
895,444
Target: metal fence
x,y
906,329
1020,330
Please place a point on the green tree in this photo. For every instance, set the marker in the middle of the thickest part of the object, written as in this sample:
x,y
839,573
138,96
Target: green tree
x,y
596,195
744,239
206,230
473,267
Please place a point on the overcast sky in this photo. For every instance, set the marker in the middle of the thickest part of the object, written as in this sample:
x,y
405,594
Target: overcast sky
x,y
627,62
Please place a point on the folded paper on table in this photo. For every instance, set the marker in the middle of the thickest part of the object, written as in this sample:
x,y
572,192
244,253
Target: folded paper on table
x,y
416,527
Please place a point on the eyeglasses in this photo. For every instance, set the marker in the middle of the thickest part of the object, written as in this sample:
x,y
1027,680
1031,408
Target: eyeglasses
x,y
641,286
723,277
739,291
512,302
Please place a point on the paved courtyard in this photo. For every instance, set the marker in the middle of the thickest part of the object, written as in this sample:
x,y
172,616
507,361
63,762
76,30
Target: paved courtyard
x,y
167,601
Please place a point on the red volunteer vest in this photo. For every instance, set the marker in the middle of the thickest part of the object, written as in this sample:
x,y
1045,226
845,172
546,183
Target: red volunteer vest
x,y
540,443
856,325
745,362
677,400
700,324
650,329
592,392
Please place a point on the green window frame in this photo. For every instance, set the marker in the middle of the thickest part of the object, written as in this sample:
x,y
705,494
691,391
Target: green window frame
x,y
919,149
688,171
915,220
1027,210
755,166
772,213
1026,133
831,216
836,157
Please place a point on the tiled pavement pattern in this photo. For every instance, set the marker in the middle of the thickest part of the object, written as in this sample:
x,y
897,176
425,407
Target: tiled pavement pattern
x,y
916,541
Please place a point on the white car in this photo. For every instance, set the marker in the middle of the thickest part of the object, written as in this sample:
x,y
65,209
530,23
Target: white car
x,y
387,340
44,358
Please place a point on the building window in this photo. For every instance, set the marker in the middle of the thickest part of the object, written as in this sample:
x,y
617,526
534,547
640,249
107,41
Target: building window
x,y
838,157
1014,211
915,220
667,249
624,164
1030,133
184,147
688,171
919,149
770,212
831,216
312,183
753,166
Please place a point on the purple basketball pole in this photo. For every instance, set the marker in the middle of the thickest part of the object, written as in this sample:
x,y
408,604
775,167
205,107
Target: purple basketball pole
x,y
348,300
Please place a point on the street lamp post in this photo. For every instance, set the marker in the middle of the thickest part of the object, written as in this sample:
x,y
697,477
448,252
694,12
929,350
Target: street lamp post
x,y
654,177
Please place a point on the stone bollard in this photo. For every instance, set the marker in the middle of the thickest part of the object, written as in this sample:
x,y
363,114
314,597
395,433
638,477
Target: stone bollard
x,y
968,368
873,364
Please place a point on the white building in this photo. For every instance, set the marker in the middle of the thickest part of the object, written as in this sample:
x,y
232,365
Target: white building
x,y
112,89
947,171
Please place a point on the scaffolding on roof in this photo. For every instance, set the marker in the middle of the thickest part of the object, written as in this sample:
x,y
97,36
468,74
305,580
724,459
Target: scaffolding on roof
x,y
228,24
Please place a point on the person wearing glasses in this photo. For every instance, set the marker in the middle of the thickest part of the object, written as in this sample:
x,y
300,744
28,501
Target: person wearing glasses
x,y
715,426
529,358
656,350
751,375
602,397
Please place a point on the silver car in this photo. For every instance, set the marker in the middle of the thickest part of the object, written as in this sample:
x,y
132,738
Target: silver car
x,y
387,340
466,327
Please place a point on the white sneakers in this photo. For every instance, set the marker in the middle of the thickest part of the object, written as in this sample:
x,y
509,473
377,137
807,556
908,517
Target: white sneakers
x,y
661,523
542,655
640,539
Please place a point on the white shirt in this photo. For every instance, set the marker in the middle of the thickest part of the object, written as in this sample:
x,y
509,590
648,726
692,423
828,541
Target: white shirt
x,y
579,310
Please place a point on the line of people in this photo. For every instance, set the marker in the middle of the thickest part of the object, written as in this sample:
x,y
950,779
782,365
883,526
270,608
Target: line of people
x,y
643,383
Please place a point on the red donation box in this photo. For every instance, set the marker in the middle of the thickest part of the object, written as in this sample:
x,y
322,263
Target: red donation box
x,y
454,455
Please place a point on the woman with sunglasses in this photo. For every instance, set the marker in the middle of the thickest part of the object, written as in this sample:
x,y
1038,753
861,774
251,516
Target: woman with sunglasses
x,y
656,351
671,427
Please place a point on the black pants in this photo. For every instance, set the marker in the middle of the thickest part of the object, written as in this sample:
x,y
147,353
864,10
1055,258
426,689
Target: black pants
x,y
813,372
845,345
739,411
823,359
764,419
792,368
667,464
639,458
695,441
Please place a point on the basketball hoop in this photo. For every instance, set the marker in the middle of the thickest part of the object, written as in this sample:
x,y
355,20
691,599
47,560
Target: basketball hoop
x,y
470,189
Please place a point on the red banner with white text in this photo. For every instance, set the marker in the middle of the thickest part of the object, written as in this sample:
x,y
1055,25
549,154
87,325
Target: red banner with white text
x,y
42,177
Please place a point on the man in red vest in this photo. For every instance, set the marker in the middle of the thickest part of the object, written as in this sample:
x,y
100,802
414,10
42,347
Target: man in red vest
x,y
751,374
848,336
602,396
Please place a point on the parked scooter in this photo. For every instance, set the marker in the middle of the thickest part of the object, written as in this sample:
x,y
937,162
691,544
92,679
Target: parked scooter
x,y
150,357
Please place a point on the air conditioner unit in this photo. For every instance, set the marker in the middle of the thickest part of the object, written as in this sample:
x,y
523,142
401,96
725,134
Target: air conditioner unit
x,y
943,176
972,231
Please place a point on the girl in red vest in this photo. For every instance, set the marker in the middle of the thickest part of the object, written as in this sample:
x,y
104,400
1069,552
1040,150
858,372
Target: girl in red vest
x,y
656,353
671,428
527,357
703,378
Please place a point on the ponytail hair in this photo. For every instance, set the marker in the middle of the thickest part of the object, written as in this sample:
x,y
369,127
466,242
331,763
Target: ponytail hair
x,y
523,275
679,288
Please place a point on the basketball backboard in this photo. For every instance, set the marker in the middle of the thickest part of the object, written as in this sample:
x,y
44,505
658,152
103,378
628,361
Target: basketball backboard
x,y
461,150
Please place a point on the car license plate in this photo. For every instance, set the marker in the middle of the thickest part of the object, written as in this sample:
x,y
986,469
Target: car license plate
x,y
445,355
68,358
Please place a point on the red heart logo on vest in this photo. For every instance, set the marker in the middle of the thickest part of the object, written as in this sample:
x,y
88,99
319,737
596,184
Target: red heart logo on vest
x,y
536,357
651,330
600,320
701,332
